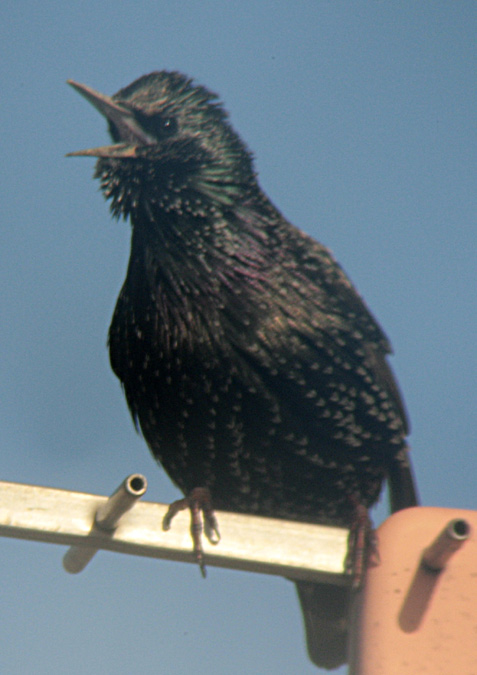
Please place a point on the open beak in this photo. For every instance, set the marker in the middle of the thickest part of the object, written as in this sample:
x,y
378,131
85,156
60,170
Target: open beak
x,y
131,133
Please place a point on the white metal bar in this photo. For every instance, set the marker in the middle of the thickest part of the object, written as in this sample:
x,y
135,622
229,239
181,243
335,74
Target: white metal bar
x,y
266,545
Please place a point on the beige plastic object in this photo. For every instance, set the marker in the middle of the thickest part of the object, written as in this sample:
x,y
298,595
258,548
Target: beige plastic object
x,y
418,611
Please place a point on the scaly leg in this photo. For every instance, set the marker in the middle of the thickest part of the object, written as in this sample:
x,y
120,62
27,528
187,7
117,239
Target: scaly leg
x,y
198,501
362,545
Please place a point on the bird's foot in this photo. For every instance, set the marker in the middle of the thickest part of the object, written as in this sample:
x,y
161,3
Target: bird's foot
x,y
362,546
198,501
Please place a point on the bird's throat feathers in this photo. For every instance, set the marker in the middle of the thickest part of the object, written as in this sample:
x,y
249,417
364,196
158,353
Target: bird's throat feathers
x,y
212,255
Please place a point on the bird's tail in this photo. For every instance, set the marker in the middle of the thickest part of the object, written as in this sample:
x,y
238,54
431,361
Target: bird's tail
x,y
325,607
325,615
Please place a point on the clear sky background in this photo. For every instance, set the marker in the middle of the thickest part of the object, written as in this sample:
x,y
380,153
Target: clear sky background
x,y
362,117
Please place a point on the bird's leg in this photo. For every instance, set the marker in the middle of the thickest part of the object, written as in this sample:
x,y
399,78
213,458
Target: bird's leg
x,y
362,544
197,501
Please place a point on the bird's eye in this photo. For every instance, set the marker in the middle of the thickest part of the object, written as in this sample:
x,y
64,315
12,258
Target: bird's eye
x,y
157,125
169,126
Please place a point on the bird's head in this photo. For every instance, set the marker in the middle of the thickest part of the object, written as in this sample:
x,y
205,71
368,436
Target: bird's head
x,y
173,148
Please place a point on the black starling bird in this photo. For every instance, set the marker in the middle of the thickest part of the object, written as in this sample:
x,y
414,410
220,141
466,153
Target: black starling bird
x,y
250,363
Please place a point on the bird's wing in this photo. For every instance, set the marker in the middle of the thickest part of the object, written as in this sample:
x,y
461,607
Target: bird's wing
x,y
309,318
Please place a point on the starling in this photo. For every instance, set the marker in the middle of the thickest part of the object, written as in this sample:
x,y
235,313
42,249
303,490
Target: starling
x,y
249,362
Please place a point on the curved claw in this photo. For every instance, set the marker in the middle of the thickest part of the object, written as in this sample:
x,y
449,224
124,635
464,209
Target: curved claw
x,y
198,501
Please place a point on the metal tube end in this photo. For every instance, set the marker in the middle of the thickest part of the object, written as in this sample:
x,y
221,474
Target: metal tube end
x,y
450,540
106,520
123,499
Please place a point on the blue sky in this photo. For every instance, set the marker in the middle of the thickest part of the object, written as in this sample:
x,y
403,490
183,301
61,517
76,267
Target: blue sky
x,y
361,117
